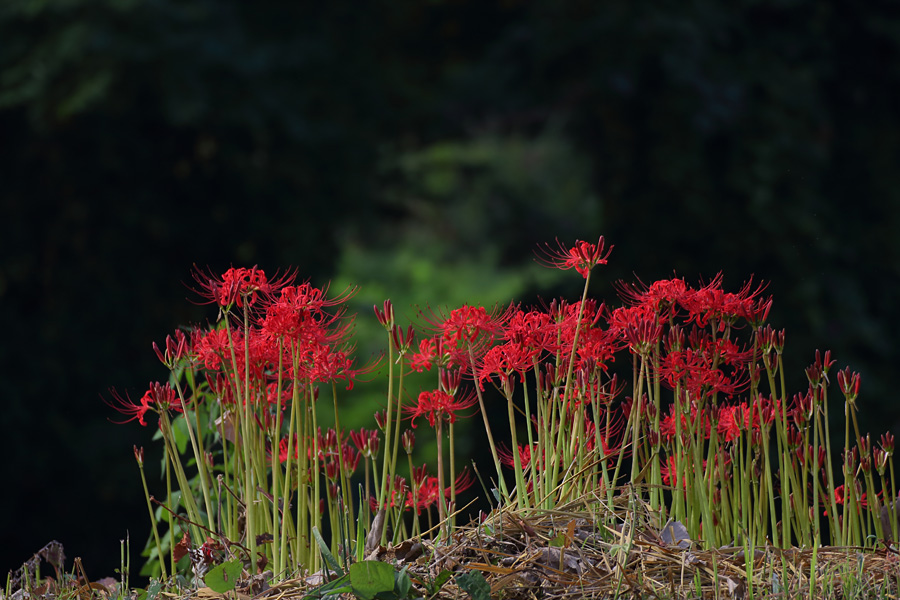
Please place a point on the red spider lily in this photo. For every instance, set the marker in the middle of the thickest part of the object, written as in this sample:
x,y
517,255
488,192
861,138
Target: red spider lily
x,y
236,286
398,496
840,497
402,340
694,371
419,475
450,380
283,449
597,349
565,316
429,491
299,314
534,330
848,381
381,419
366,441
732,420
807,455
211,347
176,349
425,357
817,373
667,424
408,439
467,323
504,360
582,257
469,327
711,302
769,340
386,315
336,365
159,397
525,454
436,405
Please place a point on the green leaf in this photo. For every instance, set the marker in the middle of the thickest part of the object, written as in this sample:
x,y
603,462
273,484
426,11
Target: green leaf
x,y
439,581
402,584
473,583
558,541
371,577
341,585
222,578
153,589
326,553
180,433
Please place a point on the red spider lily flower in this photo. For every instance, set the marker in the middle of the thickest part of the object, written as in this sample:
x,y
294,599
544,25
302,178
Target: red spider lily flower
x,y
437,404
597,348
351,457
525,454
335,365
386,315
398,496
732,420
582,257
840,498
283,448
506,359
450,380
817,373
565,316
425,357
159,397
429,490
711,302
212,346
848,381
402,341
366,441
638,326
533,329
237,286
176,349
808,454
694,370
408,439
887,443
381,419
662,297
299,313
667,424
465,328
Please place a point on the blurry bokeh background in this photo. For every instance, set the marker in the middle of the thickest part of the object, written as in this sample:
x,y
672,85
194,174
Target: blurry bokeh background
x,y
420,150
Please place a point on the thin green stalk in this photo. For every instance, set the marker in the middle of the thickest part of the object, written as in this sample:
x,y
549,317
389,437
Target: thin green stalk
x,y
159,555
385,468
197,446
442,509
187,495
521,494
487,427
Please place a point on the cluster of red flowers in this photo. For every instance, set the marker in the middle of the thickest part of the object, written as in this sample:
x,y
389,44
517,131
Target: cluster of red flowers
x,y
278,334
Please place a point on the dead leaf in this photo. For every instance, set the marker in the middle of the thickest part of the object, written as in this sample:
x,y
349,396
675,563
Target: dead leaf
x,y
675,533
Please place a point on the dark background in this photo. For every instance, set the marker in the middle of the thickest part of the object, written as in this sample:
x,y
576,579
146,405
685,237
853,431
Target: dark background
x,y
422,150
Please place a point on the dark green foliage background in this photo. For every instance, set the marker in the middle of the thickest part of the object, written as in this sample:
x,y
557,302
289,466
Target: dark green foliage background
x,y
429,145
